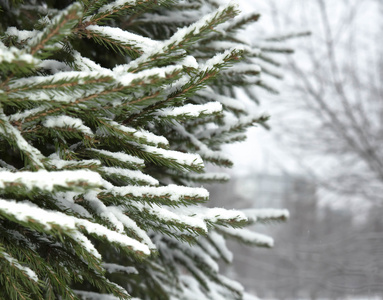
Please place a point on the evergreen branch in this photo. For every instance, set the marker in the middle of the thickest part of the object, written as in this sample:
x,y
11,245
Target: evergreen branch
x,y
32,156
54,163
57,275
44,181
14,61
111,128
107,10
60,27
202,149
240,126
240,22
204,177
190,111
123,177
111,8
136,123
247,237
290,36
219,244
160,219
120,40
126,84
117,159
63,82
169,158
57,223
15,270
266,215
187,86
183,39
167,195
276,49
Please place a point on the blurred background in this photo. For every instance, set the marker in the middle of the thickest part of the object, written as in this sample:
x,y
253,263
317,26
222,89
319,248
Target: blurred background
x,y
322,158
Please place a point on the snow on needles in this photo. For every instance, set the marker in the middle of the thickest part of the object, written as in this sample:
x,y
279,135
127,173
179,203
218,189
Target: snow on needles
x,y
254,214
11,54
66,121
189,159
24,212
115,5
125,37
141,134
112,268
31,274
192,110
180,35
121,156
173,192
47,181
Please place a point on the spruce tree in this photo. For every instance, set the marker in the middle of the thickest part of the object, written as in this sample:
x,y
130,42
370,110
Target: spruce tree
x,y
110,111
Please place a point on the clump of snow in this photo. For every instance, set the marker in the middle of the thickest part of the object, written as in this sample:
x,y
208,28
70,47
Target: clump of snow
x,y
189,61
132,174
248,236
27,271
211,214
85,242
171,191
78,76
145,135
21,116
113,268
166,215
192,110
115,5
47,181
86,64
189,159
121,157
254,214
65,200
59,163
125,37
66,121
125,78
21,35
12,54
54,66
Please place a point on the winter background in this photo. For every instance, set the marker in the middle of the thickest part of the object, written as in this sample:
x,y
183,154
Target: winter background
x,y
322,158
332,246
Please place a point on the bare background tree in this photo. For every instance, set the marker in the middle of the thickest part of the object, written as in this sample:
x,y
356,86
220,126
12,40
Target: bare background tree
x,y
336,79
331,121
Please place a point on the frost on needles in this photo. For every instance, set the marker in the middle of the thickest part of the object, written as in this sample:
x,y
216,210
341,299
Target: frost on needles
x,y
109,112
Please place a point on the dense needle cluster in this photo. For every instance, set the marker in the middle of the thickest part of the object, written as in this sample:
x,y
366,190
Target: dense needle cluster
x,y
109,112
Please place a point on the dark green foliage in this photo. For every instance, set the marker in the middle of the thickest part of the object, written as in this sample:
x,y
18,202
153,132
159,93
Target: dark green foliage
x,y
92,145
